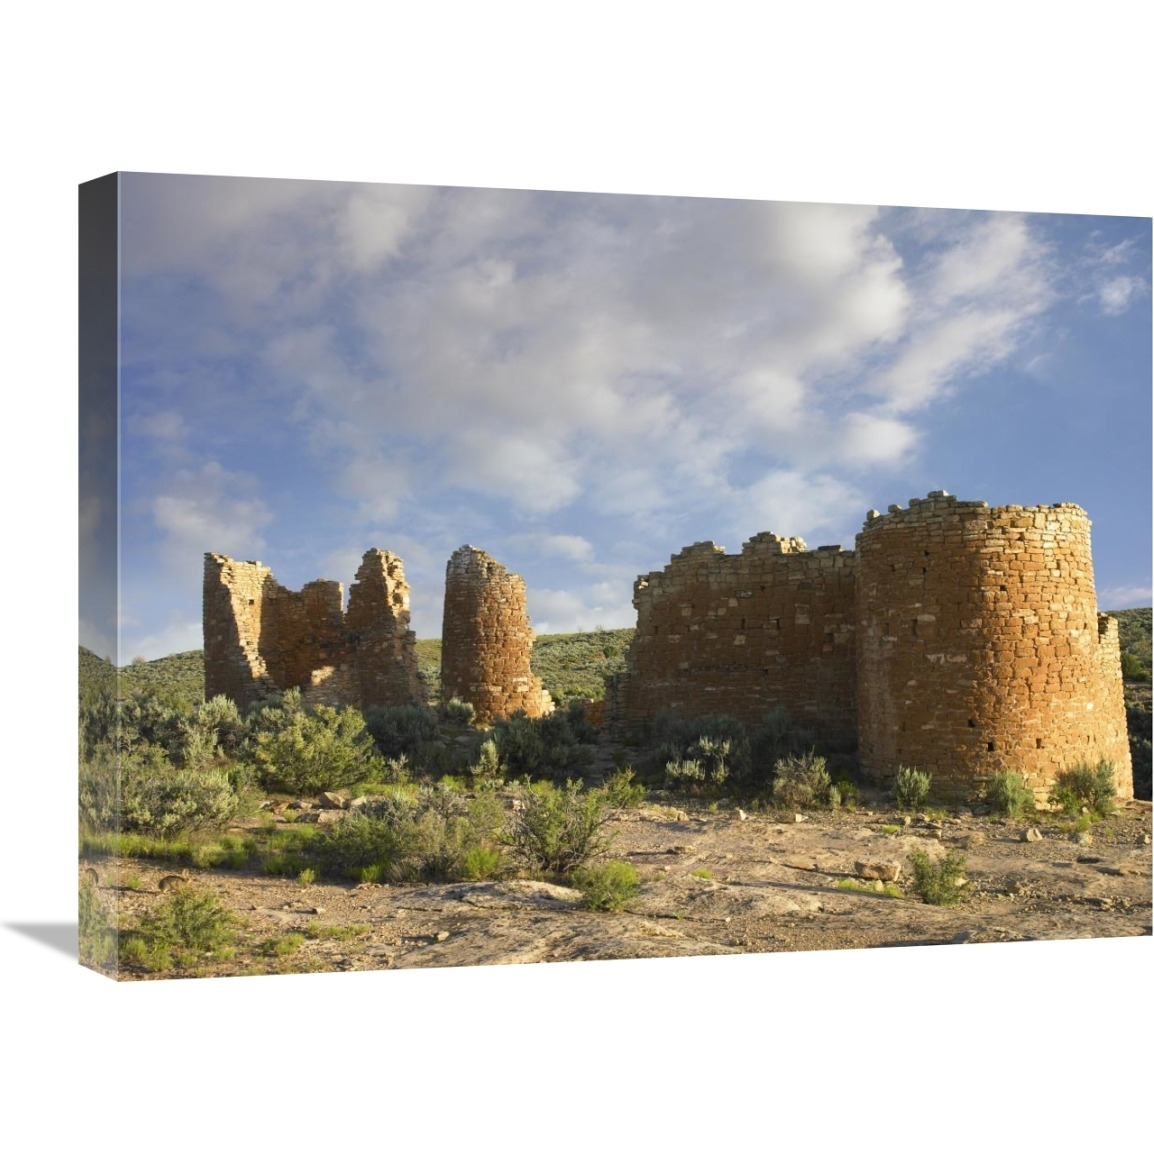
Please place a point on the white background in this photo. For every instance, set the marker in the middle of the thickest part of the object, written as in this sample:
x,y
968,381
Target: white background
x,y
985,106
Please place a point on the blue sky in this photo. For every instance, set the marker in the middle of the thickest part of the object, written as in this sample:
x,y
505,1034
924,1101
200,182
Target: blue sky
x,y
582,384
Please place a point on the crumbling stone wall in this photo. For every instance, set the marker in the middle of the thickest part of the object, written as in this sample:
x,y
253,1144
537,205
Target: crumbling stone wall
x,y
260,637
980,647
740,634
958,639
486,640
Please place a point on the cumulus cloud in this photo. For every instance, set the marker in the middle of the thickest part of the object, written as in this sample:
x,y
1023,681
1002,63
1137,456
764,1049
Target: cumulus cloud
x,y
210,510
444,359
1116,295
566,546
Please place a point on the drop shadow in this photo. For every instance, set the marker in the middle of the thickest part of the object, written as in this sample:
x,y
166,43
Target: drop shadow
x,y
60,936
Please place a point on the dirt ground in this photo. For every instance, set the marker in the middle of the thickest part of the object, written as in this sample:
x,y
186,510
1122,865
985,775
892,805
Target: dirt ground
x,y
711,883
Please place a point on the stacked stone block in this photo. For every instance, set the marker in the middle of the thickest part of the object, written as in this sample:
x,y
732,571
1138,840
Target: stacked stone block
x,y
260,637
980,648
773,625
486,640
957,639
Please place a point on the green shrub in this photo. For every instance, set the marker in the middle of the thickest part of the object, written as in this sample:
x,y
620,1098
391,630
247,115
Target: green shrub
x,y
402,729
488,766
622,792
189,919
938,883
776,737
1084,786
1132,667
611,886
98,790
542,748
844,792
319,750
158,799
457,712
801,782
1008,795
911,787
439,834
558,829
96,937
481,862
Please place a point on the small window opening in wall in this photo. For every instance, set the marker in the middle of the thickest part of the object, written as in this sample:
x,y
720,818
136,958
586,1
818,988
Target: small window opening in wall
x,y
970,723
743,623
990,746
925,552
1037,743
1002,588
251,601
914,627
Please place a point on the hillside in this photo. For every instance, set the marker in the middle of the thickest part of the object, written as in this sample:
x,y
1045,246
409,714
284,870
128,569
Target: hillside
x,y
569,664
1134,632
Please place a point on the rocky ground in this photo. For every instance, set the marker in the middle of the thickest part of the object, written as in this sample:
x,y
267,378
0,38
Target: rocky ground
x,y
719,882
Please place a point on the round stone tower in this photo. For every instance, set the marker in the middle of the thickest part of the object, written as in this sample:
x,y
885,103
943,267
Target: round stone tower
x,y
980,648
486,640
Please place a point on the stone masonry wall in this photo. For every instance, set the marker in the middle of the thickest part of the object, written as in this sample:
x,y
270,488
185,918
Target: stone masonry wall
x,y
486,640
260,636
958,639
979,645
773,625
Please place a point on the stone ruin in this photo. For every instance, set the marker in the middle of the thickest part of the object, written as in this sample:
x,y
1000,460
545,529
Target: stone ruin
x,y
486,640
957,639
260,637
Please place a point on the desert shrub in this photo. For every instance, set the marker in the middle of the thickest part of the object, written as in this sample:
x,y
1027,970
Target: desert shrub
x,y
156,798
457,712
402,729
319,750
216,726
362,839
559,828
1132,667
775,737
1085,786
481,862
96,938
1008,794
717,743
622,792
611,886
542,748
147,720
488,766
272,714
937,883
911,787
189,919
844,792
437,834
801,781
98,789
99,720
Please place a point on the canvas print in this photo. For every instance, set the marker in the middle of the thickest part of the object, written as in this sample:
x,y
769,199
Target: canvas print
x,y
486,576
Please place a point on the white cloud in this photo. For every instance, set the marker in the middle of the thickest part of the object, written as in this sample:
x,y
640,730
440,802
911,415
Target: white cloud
x,y
177,636
1124,597
868,439
565,611
1116,295
566,546
209,510
793,504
